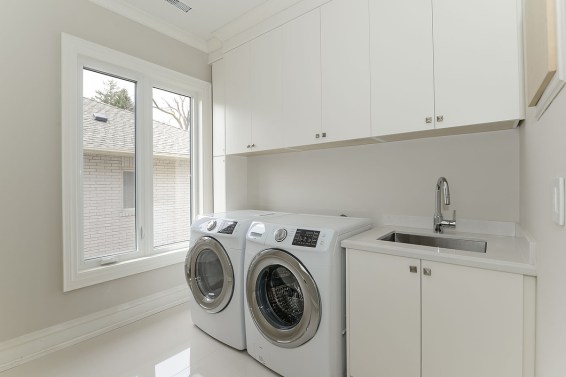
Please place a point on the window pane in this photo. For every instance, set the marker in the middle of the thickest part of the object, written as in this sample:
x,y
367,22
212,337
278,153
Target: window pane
x,y
171,168
109,190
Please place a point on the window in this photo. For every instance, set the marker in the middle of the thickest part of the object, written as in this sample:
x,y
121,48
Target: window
x,y
134,157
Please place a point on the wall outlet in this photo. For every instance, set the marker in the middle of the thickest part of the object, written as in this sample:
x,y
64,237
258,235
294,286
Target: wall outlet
x,y
558,200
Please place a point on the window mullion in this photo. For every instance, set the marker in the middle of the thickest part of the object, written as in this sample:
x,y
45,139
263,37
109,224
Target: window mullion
x,y
144,144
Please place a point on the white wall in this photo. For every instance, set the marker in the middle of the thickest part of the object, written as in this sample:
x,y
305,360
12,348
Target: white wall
x,y
31,276
543,157
394,178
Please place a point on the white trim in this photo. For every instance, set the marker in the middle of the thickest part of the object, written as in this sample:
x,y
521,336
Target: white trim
x,y
260,21
149,20
252,18
559,79
31,346
74,53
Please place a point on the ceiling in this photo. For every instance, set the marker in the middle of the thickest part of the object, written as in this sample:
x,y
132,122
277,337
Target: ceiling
x,y
195,27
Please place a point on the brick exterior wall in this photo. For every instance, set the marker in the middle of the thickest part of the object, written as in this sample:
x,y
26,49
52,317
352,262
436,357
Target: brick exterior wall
x,y
108,226
171,200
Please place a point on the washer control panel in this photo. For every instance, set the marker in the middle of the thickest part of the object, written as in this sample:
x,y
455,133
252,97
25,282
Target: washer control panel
x,y
306,238
228,227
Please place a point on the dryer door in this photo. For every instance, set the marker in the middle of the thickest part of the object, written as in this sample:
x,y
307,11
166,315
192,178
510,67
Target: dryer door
x,y
283,298
210,274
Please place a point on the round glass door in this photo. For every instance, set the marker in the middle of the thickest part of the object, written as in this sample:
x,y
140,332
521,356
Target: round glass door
x,y
280,297
210,275
283,298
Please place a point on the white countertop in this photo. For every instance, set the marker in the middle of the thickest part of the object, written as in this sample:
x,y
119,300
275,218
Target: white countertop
x,y
504,253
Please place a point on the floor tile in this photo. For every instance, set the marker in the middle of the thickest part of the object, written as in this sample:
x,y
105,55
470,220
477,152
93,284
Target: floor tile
x,y
163,345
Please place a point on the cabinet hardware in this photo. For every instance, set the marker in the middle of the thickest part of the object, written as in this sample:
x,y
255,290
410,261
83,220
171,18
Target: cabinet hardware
x,y
439,118
249,146
324,134
427,271
428,119
413,269
317,136
253,145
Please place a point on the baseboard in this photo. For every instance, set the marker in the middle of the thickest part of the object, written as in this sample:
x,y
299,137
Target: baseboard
x,y
39,343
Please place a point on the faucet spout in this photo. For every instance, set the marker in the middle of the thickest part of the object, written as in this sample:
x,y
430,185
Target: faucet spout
x,y
442,189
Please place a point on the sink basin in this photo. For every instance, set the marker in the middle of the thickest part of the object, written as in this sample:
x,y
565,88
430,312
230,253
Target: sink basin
x,y
444,242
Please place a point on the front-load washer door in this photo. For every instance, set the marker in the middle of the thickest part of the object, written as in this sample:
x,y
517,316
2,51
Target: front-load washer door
x,y
283,298
210,274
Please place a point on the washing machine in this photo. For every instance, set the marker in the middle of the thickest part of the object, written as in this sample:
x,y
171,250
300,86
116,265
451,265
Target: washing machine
x,y
295,293
214,272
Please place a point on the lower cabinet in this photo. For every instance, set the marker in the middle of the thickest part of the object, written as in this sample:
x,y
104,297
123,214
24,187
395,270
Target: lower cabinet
x,y
409,317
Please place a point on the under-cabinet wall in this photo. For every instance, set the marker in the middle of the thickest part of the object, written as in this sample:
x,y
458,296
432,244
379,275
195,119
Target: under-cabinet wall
x,y
395,178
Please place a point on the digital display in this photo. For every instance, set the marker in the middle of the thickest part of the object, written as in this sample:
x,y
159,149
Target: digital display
x,y
304,237
228,227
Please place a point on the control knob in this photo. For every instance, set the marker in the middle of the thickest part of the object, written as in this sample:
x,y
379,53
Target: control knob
x,y
280,234
211,225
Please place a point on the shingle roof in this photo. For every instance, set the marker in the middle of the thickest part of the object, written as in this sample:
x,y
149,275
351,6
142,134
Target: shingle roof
x,y
117,134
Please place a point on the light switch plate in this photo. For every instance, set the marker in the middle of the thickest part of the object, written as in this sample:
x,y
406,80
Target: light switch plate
x,y
558,200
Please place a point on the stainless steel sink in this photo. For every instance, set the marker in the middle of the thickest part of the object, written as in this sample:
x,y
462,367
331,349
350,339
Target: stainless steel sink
x,y
444,242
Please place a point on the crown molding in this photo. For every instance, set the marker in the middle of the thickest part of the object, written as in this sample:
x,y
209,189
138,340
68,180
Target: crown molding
x,y
152,22
261,21
252,18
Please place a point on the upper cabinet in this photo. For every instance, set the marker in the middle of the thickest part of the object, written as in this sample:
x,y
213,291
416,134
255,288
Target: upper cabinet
x,y
358,71
273,90
477,61
237,70
301,95
402,73
218,109
445,64
345,70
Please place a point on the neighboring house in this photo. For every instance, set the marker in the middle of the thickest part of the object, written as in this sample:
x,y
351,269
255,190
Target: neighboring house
x,y
109,181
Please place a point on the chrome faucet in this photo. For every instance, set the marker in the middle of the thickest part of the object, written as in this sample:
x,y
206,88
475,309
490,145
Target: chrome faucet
x,y
439,222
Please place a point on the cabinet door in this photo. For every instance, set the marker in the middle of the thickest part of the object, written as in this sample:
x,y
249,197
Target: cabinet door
x,y
238,99
383,315
402,81
218,109
345,70
472,322
267,91
477,61
300,70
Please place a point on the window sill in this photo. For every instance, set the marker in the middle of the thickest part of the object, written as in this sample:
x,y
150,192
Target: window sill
x,y
100,274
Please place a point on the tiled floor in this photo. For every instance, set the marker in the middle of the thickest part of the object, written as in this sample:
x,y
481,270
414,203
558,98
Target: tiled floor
x,y
164,345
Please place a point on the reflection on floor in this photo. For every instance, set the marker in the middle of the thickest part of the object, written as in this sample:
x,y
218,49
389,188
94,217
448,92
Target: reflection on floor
x,y
164,345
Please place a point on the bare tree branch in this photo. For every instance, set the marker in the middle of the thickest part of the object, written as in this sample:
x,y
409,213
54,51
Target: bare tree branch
x,y
177,111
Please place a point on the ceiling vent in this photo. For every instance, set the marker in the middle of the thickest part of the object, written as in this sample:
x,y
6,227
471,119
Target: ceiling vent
x,y
179,5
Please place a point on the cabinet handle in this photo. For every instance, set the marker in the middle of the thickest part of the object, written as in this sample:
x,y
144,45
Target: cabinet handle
x,y
439,118
317,136
427,271
253,145
428,119
413,269
249,146
324,134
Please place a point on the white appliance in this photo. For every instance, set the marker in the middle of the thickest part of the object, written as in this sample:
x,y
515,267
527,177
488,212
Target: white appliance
x,y
214,273
295,293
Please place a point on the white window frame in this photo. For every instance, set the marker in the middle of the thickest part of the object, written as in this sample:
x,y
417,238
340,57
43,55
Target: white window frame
x,y
77,54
